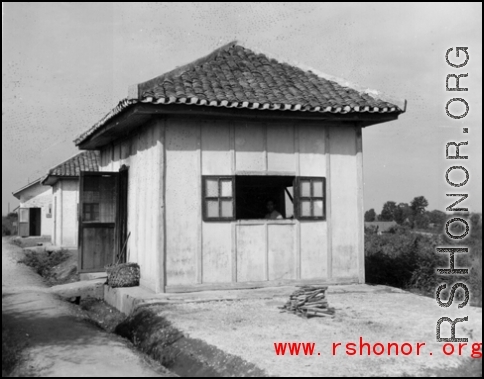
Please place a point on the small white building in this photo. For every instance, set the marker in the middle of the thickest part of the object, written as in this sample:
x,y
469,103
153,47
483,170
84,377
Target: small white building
x,y
63,182
190,160
35,209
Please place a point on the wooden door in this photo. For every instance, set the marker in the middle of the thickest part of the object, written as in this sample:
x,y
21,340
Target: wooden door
x,y
97,220
23,222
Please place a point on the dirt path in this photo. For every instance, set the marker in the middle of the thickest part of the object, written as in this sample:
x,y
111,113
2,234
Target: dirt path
x,y
59,343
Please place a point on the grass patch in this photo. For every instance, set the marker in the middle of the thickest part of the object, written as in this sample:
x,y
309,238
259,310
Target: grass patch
x,y
152,334
102,314
409,261
155,336
44,262
17,241
9,224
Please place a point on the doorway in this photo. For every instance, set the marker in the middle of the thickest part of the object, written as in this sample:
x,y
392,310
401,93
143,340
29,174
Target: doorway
x,y
97,220
122,216
103,212
29,222
35,221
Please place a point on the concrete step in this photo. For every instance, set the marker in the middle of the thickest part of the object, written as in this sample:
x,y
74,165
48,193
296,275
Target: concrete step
x,y
93,289
93,275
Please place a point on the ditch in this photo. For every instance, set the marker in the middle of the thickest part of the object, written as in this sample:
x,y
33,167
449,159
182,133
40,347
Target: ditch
x,y
148,332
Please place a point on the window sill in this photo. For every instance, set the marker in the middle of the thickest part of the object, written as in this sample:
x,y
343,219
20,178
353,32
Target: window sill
x,y
264,221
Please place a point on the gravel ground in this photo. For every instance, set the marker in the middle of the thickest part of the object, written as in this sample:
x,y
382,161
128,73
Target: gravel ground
x,y
249,328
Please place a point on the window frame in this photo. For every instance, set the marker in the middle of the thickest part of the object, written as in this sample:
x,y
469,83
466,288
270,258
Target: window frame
x,y
91,212
296,201
267,175
218,198
298,198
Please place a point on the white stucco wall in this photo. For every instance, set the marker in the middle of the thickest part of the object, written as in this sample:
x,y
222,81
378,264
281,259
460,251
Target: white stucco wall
x,y
198,252
66,198
56,215
143,154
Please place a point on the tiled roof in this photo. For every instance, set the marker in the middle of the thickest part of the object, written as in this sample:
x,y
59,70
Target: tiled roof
x,y
122,105
85,161
235,77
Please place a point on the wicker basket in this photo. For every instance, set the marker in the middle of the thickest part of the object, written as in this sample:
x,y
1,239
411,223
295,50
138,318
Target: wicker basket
x,y
123,275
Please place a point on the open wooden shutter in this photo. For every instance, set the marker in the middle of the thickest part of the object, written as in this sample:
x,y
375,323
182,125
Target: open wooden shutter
x,y
122,216
24,222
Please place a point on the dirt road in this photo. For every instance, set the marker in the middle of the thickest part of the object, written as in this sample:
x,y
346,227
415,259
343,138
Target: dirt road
x,y
59,343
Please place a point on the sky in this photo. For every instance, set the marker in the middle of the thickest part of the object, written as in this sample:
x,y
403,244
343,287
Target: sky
x,y
65,65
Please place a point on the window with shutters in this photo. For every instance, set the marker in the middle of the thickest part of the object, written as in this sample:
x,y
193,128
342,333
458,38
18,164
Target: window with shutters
x,y
310,195
244,197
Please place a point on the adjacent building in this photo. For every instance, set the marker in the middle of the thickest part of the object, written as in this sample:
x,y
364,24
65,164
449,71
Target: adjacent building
x,y
35,210
62,181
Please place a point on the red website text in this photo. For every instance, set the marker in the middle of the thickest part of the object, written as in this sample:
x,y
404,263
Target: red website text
x,y
378,348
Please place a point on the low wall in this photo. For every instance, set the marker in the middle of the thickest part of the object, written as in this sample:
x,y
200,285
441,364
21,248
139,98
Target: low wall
x,y
125,300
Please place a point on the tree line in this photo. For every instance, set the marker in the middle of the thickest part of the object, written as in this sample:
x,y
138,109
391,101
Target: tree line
x,y
413,214
9,224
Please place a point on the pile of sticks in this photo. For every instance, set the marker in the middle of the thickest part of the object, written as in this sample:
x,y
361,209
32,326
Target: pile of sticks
x,y
309,301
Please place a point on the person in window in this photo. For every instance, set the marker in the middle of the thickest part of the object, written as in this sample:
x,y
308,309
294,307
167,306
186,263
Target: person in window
x,y
273,214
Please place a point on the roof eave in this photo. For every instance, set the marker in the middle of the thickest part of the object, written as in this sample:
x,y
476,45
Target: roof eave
x,y
51,180
17,192
125,122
